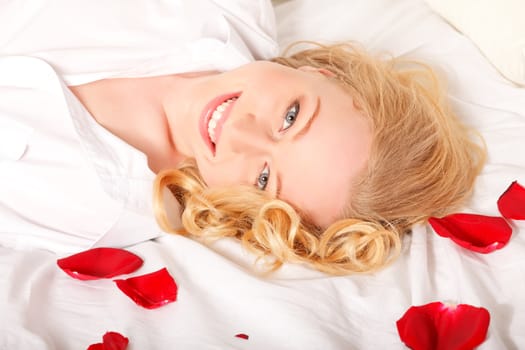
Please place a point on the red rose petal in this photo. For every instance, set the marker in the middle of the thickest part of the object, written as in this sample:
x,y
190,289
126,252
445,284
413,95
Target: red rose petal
x,y
97,346
111,341
242,336
114,341
436,326
480,233
152,290
99,263
511,203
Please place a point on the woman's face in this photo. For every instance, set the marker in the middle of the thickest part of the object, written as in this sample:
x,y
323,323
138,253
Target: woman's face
x,y
292,132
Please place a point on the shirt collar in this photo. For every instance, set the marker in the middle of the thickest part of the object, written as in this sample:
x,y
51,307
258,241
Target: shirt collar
x,y
122,169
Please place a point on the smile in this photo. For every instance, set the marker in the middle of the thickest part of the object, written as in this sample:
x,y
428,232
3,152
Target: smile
x,y
216,119
213,116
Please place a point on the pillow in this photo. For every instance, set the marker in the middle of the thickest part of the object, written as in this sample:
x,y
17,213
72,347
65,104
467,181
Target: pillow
x,y
497,28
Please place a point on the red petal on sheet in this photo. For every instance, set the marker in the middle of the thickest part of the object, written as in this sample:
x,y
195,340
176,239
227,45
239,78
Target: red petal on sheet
x,y
242,336
480,233
114,341
99,263
437,326
152,290
97,346
511,203
111,341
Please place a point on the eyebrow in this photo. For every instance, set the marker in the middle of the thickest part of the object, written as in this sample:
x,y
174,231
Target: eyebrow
x,y
306,127
278,187
297,136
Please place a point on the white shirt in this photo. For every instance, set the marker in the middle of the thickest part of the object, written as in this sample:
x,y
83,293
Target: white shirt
x,y
66,183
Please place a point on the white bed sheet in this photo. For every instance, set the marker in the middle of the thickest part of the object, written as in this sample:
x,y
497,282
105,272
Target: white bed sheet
x,y
220,293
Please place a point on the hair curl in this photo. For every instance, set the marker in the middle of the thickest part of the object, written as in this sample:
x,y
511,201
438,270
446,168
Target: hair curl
x,y
423,162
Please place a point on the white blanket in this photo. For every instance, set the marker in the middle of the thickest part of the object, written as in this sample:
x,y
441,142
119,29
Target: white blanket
x,y
220,291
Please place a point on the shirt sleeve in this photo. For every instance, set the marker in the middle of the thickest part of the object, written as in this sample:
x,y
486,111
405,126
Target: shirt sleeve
x,y
87,40
255,23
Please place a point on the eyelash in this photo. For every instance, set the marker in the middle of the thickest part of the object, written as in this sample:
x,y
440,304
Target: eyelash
x,y
262,179
289,119
293,109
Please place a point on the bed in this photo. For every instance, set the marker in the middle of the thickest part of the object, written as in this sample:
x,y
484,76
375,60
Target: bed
x,y
222,291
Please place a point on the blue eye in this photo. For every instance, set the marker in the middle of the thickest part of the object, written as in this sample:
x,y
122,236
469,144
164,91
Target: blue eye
x,y
263,178
291,116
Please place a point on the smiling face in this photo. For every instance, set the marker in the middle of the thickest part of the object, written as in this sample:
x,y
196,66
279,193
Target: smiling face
x,y
292,132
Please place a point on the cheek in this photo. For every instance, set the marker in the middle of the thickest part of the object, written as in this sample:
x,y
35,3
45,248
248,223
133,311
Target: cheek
x,y
223,174
212,177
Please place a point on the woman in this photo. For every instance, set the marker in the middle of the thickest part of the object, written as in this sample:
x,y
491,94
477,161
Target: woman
x,y
327,156
394,155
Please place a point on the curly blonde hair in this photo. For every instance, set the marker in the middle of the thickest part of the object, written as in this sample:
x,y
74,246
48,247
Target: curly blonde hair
x,y
423,162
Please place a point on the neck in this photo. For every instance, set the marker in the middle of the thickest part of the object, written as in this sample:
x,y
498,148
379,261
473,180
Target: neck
x,y
131,109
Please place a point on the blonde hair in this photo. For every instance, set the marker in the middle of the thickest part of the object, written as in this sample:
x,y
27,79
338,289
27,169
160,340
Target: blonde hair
x,y
423,162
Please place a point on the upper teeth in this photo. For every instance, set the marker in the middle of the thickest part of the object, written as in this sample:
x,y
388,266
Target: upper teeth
x,y
216,116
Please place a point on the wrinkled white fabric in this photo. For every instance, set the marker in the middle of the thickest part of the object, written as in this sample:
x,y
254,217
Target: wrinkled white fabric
x,y
88,40
220,295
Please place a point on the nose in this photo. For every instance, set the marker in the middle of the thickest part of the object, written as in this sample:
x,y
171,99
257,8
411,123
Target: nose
x,y
246,143
245,135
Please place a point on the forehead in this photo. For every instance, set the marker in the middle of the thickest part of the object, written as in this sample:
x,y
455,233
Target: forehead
x,y
319,168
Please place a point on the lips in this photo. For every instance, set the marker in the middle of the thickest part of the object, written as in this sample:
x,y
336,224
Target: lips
x,y
207,114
